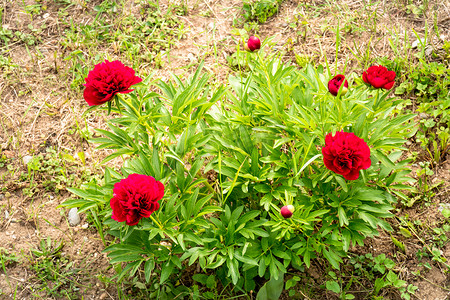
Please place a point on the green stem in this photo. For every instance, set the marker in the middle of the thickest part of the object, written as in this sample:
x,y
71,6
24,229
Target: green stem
x,y
209,187
156,222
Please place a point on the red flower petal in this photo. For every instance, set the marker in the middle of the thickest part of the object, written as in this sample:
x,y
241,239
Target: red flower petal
x,y
108,79
389,85
118,211
352,175
379,77
136,197
365,77
346,154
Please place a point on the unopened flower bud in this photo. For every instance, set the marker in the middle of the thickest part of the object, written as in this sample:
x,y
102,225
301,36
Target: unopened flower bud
x,y
344,90
335,83
253,43
287,211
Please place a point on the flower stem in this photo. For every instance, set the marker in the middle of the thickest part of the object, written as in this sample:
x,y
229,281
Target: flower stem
x,y
157,223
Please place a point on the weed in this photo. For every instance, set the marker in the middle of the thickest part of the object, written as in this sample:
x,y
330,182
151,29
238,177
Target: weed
x,y
146,38
6,35
54,172
335,284
382,270
432,239
429,82
33,9
54,273
7,259
260,10
106,6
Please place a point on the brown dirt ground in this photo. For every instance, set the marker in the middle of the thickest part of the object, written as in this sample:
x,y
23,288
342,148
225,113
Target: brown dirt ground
x,y
38,109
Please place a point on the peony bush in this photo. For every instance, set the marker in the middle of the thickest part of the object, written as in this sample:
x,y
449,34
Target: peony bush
x,y
245,180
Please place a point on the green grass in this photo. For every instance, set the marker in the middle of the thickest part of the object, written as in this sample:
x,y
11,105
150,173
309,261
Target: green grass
x,y
143,39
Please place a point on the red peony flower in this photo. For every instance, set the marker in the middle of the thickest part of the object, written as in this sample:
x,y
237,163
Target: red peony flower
x,y
335,83
346,154
287,211
108,79
253,43
135,197
379,77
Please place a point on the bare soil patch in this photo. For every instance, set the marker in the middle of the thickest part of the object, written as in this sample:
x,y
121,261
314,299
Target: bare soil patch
x,y
40,109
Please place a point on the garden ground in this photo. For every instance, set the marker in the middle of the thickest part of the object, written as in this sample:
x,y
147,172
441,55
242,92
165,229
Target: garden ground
x,y
48,47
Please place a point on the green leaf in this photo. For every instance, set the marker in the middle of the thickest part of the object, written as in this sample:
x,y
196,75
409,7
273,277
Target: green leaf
x,y
379,284
166,272
233,270
262,267
399,244
148,268
272,289
266,201
333,286
343,220
384,159
211,282
127,257
220,260
307,258
342,183
332,258
201,278
405,232
446,213
247,217
292,282
130,269
245,259
391,277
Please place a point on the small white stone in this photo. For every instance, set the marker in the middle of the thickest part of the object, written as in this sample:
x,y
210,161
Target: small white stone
x,y
6,214
191,57
26,159
45,16
443,206
85,226
417,42
74,217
